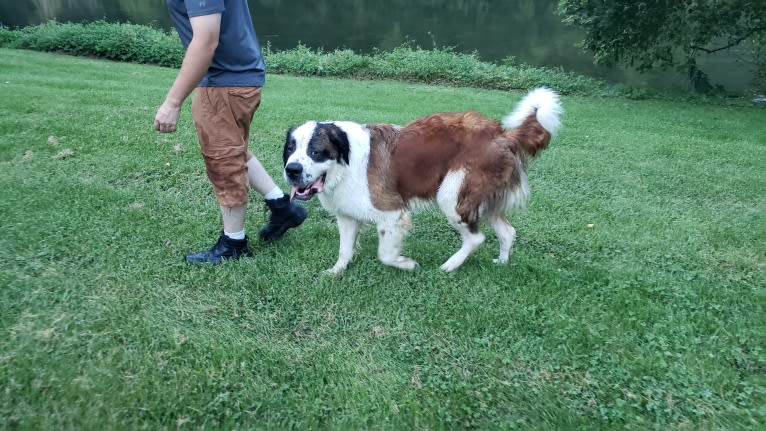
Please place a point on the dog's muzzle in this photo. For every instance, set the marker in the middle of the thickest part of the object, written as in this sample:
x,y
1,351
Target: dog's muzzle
x,y
301,190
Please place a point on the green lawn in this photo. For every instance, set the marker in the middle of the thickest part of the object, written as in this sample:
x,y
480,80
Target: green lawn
x,y
634,298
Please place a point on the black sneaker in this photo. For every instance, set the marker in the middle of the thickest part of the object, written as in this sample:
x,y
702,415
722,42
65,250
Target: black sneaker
x,y
284,215
226,248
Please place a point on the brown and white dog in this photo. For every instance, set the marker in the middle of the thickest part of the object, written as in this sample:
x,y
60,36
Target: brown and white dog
x,y
472,166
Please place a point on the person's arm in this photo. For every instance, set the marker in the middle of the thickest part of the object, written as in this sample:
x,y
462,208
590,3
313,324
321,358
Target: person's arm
x,y
206,30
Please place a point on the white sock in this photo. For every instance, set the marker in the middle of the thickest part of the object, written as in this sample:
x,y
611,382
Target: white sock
x,y
235,235
275,193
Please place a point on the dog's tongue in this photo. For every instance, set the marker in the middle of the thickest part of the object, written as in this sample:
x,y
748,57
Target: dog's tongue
x,y
307,192
318,185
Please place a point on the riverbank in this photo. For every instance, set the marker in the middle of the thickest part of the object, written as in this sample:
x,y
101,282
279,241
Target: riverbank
x,y
148,45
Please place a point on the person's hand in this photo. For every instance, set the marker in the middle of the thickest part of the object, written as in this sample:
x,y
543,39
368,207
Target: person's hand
x,y
166,119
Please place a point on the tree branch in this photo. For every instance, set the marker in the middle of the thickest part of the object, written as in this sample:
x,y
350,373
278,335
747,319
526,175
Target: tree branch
x,y
731,44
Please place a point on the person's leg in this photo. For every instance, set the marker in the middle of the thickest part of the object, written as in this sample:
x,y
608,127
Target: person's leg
x,y
284,214
244,102
233,219
225,153
232,242
258,178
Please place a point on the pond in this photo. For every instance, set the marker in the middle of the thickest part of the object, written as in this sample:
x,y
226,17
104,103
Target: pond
x,y
527,30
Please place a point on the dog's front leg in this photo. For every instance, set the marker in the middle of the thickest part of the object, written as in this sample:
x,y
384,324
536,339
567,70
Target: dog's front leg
x,y
391,232
349,231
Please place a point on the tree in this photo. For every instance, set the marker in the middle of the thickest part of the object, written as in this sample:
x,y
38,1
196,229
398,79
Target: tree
x,y
666,33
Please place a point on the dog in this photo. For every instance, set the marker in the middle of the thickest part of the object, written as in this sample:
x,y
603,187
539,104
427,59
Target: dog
x,y
472,166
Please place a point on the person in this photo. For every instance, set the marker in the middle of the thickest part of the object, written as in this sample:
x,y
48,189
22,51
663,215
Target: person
x,y
224,63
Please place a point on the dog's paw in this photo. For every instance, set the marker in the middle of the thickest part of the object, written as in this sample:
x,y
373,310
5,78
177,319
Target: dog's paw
x,y
335,270
451,264
404,263
448,268
500,261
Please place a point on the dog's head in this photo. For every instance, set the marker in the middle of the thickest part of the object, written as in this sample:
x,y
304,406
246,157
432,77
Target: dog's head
x,y
312,150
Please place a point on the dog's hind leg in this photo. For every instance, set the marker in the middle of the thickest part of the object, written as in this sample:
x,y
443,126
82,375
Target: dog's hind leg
x,y
391,233
348,229
506,234
447,198
471,240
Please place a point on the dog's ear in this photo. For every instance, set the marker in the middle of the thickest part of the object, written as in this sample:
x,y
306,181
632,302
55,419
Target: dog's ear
x,y
289,147
339,139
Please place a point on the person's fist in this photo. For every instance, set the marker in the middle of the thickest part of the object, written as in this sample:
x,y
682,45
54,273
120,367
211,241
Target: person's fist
x,y
166,119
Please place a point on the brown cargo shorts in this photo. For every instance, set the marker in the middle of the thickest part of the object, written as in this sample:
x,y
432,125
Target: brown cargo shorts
x,y
222,116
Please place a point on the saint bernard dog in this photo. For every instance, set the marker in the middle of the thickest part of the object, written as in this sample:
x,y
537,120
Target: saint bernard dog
x,y
472,166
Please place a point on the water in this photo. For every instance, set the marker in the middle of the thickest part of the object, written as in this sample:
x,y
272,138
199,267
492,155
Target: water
x,y
527,30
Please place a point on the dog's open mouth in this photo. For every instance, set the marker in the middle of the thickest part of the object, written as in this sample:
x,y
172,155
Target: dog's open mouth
x,y
307,192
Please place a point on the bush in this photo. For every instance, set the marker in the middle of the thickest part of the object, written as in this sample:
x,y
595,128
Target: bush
x,y
113,41
144,44
436,66
7,36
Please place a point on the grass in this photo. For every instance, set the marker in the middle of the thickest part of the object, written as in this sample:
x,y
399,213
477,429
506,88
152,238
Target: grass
x,y
634,298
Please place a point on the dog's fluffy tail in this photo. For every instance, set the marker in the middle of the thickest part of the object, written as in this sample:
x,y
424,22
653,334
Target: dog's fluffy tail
x,y
535,120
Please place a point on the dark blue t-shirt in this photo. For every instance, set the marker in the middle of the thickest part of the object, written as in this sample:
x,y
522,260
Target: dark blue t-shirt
x,y
238,61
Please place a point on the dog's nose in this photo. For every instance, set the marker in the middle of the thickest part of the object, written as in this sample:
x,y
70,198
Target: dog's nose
x,y
294,170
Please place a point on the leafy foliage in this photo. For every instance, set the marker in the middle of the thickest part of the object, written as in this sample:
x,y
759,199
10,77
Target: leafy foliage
x,y
433,66
143,44
7,36
665,33
112,41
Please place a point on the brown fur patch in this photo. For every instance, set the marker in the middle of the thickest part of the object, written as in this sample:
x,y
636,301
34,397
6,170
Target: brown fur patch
x,y
385,196
412,162
329,142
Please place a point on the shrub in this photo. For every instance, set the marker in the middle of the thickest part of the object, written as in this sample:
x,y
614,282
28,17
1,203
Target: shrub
x,y
434,66
144,44
7,36
114,41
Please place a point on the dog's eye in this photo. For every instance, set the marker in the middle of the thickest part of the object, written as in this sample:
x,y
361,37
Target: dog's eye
x,y
315,153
